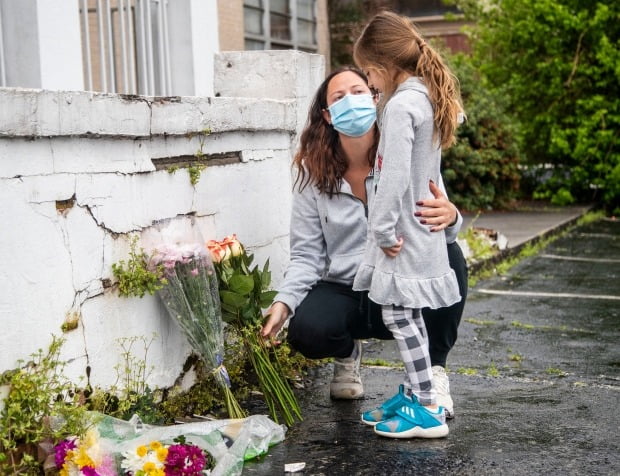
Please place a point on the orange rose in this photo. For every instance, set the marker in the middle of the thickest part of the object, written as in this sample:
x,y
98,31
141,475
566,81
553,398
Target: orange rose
x,y
231,242
218,253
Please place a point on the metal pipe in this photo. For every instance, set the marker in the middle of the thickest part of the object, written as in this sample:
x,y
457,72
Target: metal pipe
x,y
121,14
102,73
86,46
149,47
167,50
143,76
111,51
132,52
2,61
160,48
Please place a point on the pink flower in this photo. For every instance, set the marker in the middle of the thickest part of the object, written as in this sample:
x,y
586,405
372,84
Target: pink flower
x,y
194,272
60,451
188,460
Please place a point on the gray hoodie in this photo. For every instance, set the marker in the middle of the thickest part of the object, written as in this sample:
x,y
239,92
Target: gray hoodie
x,y
407,158
328,238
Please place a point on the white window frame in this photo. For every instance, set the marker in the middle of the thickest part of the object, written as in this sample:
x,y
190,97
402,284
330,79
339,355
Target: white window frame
x,y
268,41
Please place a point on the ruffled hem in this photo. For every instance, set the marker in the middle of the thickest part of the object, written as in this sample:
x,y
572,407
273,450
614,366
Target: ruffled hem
x,y
387,288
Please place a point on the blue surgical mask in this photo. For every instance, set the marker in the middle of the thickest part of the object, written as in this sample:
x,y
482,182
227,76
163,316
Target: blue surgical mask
x,y
354,114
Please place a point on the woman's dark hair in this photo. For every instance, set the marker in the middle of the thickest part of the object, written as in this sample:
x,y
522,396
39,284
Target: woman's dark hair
x,y
320,160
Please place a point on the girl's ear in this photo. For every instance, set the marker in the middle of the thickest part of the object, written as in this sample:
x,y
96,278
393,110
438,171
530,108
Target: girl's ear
x,y
327,116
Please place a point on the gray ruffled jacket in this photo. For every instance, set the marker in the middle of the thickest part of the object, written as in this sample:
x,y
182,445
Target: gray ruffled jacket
x,y
328,239
407,158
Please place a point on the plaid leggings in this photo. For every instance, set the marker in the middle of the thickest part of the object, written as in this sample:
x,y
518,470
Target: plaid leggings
x,y
407,326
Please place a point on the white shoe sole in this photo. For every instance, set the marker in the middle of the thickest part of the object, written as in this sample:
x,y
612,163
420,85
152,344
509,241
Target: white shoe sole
x,y
417,432
345,392
369,423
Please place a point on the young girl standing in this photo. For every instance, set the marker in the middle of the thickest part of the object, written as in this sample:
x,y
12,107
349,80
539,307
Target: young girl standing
x,y
405,267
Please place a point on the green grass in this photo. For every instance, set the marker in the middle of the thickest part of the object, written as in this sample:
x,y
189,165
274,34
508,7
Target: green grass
x,y
467,371
579,330
555,372
382,363
479,322
492,371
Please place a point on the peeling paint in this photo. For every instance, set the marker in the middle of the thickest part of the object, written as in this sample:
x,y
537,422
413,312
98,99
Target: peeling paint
x,y
82,171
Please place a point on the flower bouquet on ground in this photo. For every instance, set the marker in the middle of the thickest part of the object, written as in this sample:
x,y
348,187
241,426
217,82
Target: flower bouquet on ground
x,y
83,456
156,458
244,293
190,295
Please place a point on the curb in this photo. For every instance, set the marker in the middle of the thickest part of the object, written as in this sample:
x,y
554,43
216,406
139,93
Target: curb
x,y
504,254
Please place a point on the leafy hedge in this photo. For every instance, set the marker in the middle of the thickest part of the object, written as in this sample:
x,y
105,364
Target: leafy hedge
x,y
482,169
557,62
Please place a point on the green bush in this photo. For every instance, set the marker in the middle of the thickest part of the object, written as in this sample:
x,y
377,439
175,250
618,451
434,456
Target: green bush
x,y
42,404
557,62
482,169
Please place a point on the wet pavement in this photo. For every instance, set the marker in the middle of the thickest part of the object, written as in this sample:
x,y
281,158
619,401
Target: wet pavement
x,y
535,376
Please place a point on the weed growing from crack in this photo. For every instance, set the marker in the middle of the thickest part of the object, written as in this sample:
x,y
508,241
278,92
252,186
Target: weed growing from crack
x,y
467,371
555,372
529,327
382,363
479,322
492,371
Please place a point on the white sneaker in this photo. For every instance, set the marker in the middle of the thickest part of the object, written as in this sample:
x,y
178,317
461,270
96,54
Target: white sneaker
x,y
442,387
347,383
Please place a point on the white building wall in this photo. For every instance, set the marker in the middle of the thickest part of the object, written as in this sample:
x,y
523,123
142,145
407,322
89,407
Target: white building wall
x,y
42,44
97,150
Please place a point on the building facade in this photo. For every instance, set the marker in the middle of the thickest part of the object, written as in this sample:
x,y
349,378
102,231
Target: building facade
x,y
274,25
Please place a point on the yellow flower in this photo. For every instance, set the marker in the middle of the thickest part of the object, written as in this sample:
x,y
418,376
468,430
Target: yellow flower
x,y
90,438
149,467
82,459
155,445
141,451
162,453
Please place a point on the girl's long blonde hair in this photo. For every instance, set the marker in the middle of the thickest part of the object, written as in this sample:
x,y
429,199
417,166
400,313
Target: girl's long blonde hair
x,y
392,45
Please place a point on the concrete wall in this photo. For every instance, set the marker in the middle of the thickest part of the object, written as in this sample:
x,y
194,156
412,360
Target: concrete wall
x,y
78,179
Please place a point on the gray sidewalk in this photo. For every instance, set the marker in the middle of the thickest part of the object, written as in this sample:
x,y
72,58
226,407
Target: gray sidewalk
x,y
521,227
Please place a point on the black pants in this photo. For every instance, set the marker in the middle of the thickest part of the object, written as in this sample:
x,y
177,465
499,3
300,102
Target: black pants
x,y
333,315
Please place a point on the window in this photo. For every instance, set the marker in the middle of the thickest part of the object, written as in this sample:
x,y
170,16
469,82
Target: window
x,y
280,25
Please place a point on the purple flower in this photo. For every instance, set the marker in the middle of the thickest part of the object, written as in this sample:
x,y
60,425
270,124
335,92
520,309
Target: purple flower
x,y
89,471
187,460
60,451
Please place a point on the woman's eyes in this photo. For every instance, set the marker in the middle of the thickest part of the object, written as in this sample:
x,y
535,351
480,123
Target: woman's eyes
x,y
338,97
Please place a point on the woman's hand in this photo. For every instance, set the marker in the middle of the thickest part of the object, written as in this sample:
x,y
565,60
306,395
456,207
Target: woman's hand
x,y
439,211
277,314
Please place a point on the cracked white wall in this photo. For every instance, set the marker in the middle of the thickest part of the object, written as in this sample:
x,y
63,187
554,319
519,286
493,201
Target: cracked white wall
x,y
96,149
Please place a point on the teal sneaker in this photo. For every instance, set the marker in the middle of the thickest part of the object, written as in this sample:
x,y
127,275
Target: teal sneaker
x,y
414,421
387,409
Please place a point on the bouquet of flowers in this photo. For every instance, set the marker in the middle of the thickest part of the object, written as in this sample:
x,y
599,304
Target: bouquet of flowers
x,y
157,459
83,456
190,294
244,292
